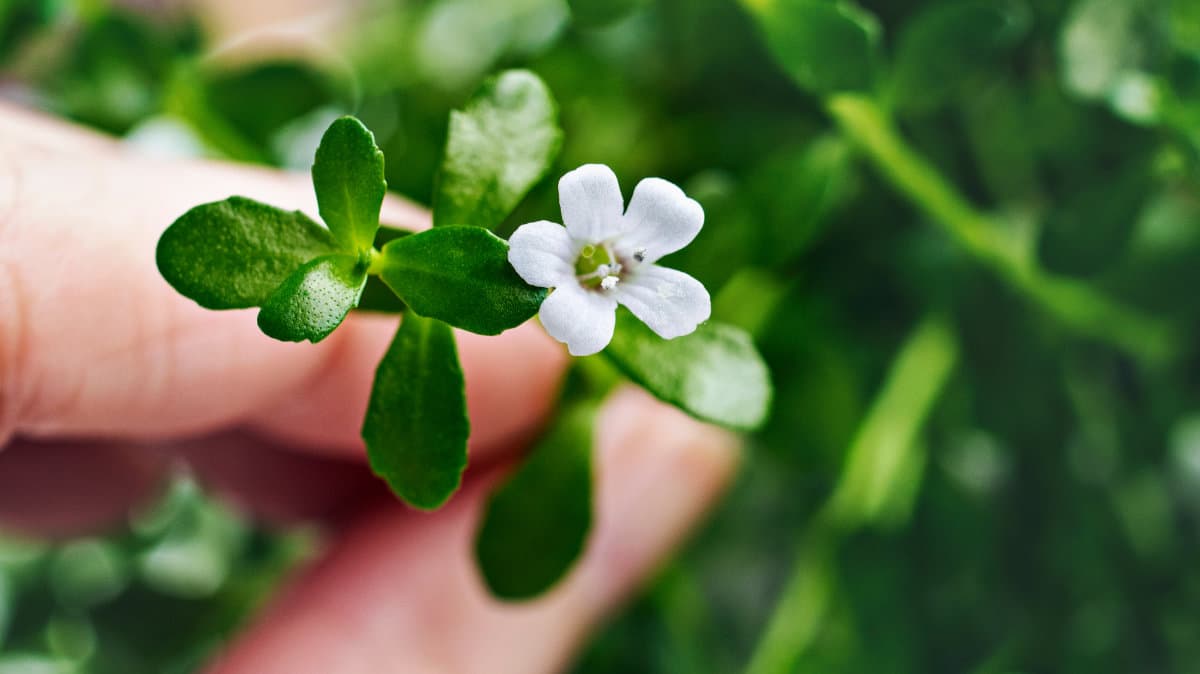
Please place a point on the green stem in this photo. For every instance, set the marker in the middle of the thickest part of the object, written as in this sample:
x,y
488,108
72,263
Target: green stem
x,y
1074,304
879,469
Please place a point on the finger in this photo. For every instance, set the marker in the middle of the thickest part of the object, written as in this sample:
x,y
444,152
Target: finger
x,y
94,342
400,593
60,489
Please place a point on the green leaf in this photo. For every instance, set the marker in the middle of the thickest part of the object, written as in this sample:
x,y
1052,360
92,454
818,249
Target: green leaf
x,y
233,254
314,300
826,47
715,374
536,523
460,275
416,427
348,178
498,147
946,44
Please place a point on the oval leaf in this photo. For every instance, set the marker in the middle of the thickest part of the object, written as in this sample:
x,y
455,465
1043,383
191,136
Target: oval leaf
x,y
715,374
460,275
348,178
314,300
536,523
233,254
825,46
947,43
497,148
416,427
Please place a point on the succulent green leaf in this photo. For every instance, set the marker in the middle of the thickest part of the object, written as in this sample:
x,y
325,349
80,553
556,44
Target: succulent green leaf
x,y
826,47
348,178
416,427
536,523
498,147
314,300
715,374
233,254
946,44
460,275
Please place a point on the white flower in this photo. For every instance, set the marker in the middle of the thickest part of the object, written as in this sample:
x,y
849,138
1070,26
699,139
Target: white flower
x,y
604,257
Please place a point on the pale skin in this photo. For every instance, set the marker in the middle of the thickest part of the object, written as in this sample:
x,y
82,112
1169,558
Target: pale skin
x,y
107,376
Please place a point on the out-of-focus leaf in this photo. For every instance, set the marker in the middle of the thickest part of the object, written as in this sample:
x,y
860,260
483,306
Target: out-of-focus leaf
x,y
825,46
536,523
498,147
260,98
714,374
946,44
602,12
416,427
1089,231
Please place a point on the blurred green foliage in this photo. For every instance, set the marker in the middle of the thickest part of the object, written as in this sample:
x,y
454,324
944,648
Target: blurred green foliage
x,y
975,463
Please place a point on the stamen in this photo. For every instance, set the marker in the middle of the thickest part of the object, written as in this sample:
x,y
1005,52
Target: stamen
x,y
640,254
609,282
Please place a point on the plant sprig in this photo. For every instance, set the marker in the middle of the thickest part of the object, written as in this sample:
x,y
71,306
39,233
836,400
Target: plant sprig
x,y
305,279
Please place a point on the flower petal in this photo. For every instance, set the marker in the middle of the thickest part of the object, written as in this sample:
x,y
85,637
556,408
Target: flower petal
x,y
661,219
670,302
591,203
581,319
543,254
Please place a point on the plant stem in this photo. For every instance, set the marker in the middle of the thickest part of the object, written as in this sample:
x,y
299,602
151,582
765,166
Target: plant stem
x,y
1074,304
877,475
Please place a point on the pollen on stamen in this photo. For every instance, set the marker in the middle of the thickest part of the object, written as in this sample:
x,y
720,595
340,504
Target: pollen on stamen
x,y
609,282
640,254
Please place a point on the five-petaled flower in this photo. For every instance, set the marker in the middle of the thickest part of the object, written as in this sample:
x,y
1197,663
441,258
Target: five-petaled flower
x,y
604,257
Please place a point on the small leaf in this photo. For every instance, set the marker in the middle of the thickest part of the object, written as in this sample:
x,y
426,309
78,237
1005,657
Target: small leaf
x,y
947,43
233,254
825,46
348,178
537,522
314,300
498,147
416,427
460,275
715,374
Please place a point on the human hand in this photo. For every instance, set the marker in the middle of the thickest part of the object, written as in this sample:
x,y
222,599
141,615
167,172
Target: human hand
x,y
107,376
